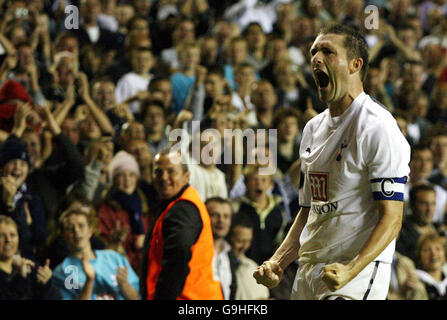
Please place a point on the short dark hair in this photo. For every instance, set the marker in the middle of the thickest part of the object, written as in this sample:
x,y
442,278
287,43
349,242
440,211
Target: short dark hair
x,y
404,25
103,79
155,81
243,65
87,210
219,200
419,147
251,25
166,151
239,220
217,71
149,103
23,43
283,113
354,43
64,35
401,114
419,188
130,23
437,132
412,62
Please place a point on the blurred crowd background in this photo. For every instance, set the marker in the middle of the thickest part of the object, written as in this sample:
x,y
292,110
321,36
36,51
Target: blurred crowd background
x,y
84,111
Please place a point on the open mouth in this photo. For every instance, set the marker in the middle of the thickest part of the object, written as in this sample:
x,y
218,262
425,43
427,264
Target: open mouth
x,y
435,260
16,175
322,78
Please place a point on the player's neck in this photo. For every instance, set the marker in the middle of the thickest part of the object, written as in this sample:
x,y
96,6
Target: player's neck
x,y
337,108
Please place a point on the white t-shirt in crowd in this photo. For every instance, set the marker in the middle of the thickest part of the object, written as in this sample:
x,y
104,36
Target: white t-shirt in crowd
x,y
209,182
128,86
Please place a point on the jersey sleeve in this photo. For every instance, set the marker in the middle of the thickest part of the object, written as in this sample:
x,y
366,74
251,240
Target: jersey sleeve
x,y
386,154
304,194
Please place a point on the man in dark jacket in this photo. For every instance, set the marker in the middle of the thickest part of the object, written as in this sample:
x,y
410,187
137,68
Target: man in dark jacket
x,y
18,201
179,248
21,278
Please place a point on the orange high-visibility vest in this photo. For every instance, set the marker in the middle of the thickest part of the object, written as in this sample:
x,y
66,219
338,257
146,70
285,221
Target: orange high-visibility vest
x,y
199,284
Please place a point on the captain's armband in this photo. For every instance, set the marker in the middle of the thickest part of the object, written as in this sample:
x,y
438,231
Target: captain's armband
x,y
388,188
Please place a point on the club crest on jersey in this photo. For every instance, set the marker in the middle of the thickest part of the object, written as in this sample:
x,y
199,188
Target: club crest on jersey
x,y
319,185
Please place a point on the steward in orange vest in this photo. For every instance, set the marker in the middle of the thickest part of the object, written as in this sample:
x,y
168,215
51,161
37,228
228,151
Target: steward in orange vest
x,y
179,252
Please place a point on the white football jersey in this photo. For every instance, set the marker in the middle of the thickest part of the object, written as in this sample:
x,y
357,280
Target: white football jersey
x,y
348,162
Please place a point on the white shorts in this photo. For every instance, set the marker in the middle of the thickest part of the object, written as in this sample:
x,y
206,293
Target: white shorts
x,y
372,283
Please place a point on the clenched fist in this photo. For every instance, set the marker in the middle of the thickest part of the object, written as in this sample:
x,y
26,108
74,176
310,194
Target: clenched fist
x,y
268,274
336,275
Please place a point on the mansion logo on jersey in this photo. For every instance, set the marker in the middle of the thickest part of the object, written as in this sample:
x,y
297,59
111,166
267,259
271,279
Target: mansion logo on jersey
x,y
319,186
324,208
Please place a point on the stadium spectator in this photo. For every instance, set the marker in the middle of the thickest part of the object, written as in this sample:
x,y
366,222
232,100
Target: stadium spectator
x,y
240,238
21,278
265,212
136,80
439,147
430,257
405,283
243,62
419,222
95,274
225,263
421,165
121,218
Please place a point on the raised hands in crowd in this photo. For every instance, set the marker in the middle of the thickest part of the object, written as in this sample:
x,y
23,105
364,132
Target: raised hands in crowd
x,y
84,112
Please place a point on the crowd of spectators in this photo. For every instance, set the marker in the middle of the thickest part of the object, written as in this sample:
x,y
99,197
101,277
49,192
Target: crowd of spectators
x,y
88,97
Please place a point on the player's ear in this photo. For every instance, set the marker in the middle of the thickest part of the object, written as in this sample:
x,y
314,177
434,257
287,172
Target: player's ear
x,y
355,65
